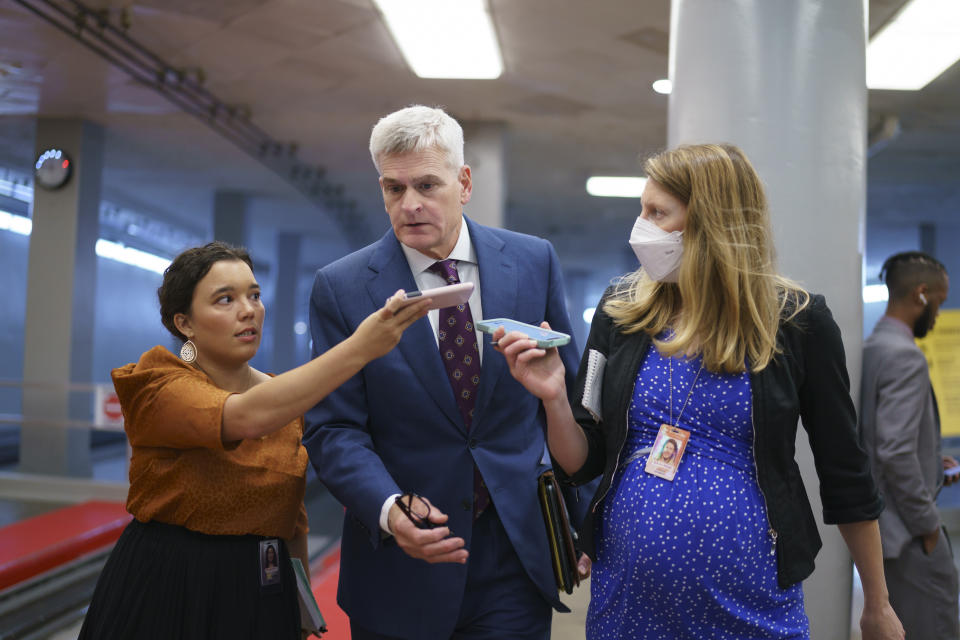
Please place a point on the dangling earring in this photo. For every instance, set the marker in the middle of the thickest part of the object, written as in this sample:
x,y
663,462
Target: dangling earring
x,y
188,352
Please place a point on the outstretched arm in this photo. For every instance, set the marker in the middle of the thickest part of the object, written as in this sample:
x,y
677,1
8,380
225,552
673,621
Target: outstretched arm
x,y
271,404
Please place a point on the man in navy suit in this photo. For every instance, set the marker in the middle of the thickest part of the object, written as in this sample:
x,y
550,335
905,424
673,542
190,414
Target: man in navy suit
x,y
447,424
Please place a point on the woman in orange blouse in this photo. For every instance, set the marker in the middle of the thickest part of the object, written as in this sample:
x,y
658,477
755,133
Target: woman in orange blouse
x,y
217,473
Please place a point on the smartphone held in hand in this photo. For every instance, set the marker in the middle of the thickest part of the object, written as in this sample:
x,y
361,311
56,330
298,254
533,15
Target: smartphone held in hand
x,y
448,296
545,338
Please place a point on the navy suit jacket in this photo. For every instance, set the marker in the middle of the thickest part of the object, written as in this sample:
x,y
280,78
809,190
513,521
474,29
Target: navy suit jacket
x,y
395,428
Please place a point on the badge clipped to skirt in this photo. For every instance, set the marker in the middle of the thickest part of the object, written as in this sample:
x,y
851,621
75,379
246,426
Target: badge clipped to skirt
x,y
270,578
668,448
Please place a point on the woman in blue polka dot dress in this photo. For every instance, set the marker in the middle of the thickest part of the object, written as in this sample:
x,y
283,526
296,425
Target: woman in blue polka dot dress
x,y
657,558
697,370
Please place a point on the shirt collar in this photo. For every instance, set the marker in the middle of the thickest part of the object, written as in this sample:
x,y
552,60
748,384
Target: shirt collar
x,y
462,252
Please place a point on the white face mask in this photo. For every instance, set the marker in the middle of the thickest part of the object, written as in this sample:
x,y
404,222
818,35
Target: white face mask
x,y
658,251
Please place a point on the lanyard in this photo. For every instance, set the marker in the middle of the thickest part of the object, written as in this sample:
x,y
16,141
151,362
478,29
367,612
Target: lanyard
x,y
689,392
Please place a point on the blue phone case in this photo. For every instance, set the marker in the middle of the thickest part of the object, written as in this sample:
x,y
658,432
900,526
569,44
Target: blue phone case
x,y
545,338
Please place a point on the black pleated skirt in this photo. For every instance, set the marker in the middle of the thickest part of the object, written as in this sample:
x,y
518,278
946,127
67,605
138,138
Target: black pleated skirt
x,y
165,582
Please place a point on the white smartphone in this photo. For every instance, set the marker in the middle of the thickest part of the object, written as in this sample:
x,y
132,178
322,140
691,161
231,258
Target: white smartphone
x,y
952,471
449,296
545,337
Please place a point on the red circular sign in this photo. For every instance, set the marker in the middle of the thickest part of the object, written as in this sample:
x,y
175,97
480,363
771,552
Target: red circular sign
x,y
111,407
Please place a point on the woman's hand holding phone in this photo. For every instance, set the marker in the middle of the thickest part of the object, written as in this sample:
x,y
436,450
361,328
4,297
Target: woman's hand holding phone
x,y
540,371
381,330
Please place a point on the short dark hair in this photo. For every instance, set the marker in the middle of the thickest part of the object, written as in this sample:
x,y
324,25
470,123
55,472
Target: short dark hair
x,y
903,272
187,269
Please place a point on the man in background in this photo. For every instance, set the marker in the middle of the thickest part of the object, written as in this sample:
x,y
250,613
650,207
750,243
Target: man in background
x,y
901,430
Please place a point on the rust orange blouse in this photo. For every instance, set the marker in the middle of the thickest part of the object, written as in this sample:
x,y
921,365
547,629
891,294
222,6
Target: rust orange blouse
x,y
180,472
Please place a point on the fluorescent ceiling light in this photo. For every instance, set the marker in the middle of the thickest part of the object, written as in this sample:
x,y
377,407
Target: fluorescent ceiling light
x,y
131,256
919,44
875,293
23,226
104,248
17,224
663,85
588,314
616,186
444,38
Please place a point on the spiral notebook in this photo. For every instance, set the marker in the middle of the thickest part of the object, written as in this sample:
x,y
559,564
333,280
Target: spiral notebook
x,y
593,384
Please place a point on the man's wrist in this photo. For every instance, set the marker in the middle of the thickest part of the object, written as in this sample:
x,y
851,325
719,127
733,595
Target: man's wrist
x,y
385,514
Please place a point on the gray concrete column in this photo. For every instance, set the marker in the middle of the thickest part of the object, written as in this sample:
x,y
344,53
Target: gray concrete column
x,y
230,219
283,311
785,81
485,152
61,286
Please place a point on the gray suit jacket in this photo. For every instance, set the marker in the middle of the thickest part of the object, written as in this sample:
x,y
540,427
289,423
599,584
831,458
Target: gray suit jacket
x,y
901,433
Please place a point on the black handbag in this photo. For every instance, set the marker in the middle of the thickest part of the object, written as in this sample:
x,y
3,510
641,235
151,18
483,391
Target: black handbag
x,y
560,535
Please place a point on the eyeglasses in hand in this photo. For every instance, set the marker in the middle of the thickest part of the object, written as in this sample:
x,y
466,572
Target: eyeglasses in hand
x,y
416,509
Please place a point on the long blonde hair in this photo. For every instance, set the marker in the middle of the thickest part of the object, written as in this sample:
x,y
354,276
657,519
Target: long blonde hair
x,y
729,300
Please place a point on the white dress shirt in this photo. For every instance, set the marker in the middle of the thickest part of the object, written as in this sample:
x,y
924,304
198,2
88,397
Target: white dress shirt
x,y
468,270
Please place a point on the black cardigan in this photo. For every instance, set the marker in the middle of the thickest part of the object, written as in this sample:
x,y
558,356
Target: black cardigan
x,y
807,379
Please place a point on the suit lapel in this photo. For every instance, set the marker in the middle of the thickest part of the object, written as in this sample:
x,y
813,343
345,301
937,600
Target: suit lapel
x,y
418,344
499,287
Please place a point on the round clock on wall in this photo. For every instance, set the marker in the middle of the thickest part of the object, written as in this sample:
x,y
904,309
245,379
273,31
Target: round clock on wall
x,y
53,169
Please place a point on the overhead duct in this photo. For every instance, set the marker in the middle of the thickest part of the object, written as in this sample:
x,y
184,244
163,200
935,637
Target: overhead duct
x,y
94,28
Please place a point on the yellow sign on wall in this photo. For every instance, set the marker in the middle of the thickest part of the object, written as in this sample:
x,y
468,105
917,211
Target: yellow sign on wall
x,y
942,348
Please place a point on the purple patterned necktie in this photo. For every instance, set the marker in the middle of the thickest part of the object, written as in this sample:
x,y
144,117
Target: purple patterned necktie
x,y
461,358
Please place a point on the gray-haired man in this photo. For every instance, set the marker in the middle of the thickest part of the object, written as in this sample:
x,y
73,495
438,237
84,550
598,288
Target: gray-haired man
x,y
440,416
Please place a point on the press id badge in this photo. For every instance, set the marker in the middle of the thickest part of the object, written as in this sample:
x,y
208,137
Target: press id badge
x,y
668,448
269,562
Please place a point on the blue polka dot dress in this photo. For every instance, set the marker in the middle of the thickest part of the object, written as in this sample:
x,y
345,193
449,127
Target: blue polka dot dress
x,y
689,559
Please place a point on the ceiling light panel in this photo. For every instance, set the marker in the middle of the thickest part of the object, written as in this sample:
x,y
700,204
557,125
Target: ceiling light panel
x,y
444,38
616,186
663,86
919,44
128,255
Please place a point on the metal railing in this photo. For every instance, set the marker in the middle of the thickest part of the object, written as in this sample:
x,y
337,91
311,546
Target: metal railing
x,y
104,405
45,454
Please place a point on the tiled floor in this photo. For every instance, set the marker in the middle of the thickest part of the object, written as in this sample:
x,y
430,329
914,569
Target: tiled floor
x,y
570,626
